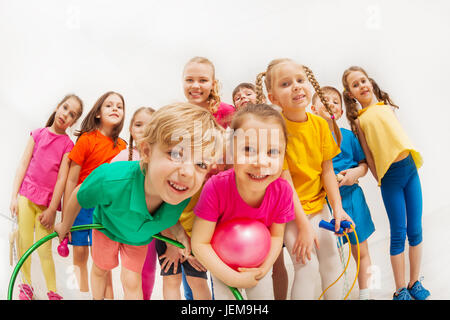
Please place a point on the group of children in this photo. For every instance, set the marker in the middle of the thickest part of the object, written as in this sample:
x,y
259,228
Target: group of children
x,y
193,165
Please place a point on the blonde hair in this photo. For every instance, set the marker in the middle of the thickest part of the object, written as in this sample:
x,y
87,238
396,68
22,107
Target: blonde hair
x,y
268,81
131,141
214,97
351,104
173,122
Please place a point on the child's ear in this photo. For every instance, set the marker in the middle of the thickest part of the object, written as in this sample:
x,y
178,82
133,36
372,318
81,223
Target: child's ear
x,y
313,109
272,98
145,151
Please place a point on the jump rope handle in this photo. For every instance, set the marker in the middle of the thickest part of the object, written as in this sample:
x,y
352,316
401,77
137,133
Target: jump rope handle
x,y
63,250
331,225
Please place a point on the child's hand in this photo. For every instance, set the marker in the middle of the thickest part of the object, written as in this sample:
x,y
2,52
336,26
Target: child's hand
x,y
184,239
340,215
350,177
247,277
195,264
171,256
62,232
13,207
47,218
303,246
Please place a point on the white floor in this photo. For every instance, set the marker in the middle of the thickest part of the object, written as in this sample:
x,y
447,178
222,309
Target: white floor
x,y
436,258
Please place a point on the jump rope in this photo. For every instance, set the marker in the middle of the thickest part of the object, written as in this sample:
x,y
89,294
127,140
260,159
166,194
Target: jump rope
x,y
62,249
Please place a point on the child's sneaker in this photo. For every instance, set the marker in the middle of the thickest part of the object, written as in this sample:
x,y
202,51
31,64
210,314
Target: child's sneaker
x,y
53,296
26,292
402,294
418,292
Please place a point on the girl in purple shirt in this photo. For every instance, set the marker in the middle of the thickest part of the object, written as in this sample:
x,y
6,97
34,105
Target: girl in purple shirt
x,y
251,189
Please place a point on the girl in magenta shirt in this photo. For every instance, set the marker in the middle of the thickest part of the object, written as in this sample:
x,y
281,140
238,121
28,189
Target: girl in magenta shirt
x,y
251,189
38,187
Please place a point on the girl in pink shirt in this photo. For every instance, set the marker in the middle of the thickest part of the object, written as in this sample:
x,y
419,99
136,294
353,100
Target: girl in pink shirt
x,y
38,187
251,189
140,118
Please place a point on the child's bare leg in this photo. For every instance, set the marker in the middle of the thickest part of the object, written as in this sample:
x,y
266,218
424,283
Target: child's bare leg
x,y
171,287
98,282
132,284
364,264
80,259
109,292
199,287
280,278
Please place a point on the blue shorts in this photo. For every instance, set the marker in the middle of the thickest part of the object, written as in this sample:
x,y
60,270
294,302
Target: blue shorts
x,y
354,204
82,237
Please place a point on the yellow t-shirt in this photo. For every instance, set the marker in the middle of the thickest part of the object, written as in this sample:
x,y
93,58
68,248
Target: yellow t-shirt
x,y
309,144
385,137
187,216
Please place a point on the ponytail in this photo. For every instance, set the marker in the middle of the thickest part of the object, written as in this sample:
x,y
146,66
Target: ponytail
x,y
259,88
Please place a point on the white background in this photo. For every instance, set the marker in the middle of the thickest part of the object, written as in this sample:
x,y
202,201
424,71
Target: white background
x,y
138,48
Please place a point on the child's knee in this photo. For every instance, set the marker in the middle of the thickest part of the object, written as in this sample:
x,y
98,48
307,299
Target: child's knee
x,y
172,281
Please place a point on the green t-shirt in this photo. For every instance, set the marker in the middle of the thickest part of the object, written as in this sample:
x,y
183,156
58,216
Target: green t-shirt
x,y
116,191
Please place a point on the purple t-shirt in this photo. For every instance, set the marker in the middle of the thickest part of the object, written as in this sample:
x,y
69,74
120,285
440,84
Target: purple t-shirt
x,y
220,201
42,173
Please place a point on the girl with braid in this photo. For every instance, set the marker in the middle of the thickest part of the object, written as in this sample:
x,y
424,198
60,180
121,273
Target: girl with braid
x,y
393,161
140,119
38,188
350,165
308,167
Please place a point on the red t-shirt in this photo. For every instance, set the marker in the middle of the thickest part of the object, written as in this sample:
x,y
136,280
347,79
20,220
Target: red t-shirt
x,y
93,149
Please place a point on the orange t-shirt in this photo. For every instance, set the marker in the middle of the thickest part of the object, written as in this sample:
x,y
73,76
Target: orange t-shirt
x,y
93,149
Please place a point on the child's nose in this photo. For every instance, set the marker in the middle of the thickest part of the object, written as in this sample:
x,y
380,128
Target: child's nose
x,y
187,169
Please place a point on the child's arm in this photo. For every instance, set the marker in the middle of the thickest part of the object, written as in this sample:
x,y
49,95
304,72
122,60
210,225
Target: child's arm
x,y
20,174
306,237
367,152
276,244
352,175
70,212
331,188
47,217
72,181
180,235
202,233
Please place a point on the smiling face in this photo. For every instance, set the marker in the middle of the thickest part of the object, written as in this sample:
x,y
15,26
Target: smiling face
x,y
170,174
66,114
243,97
111,112
258,150
334,102
290,88
360,88
137,129
198,81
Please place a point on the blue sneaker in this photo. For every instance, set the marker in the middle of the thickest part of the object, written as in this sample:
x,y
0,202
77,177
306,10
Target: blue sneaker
x,y
418,292
402,294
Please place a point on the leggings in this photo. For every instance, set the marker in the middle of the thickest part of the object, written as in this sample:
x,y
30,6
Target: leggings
x,y
324,262
30,228
402,197
148,271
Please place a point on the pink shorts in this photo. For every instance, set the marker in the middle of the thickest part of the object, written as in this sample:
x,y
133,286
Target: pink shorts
x,y
105,253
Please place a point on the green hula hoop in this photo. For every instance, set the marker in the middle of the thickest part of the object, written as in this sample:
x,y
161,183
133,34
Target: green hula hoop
x,y
36,245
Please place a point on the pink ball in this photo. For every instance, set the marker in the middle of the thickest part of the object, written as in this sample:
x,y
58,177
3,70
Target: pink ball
x,y
241,243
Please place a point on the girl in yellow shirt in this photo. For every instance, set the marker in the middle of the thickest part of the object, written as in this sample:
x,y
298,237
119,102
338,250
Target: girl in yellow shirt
x,y
309,168
393,161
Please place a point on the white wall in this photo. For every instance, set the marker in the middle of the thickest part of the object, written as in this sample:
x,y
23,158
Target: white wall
x,y
138,48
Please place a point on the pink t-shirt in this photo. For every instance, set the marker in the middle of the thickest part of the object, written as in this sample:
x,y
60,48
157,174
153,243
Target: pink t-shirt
x,y
224,114
123,155
42,173
220,201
